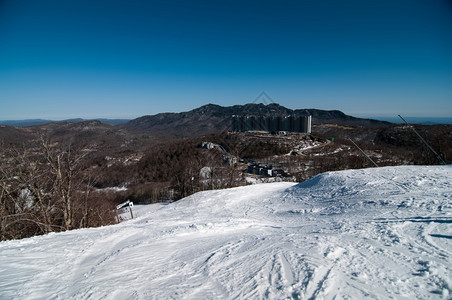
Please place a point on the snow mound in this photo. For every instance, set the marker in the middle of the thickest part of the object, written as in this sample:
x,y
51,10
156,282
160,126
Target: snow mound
x,y
372,233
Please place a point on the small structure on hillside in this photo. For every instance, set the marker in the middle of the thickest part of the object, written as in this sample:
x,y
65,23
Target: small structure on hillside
x,y
265,170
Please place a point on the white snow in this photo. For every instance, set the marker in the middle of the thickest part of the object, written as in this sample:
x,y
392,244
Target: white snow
x,y
373,233
112,189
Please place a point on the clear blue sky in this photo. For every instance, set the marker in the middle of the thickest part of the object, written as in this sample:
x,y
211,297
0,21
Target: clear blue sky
x,y
124,59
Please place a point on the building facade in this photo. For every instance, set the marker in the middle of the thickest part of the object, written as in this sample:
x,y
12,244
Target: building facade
x,y
295,124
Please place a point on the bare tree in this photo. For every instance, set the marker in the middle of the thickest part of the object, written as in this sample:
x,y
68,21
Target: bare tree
x,y
44,187
25,201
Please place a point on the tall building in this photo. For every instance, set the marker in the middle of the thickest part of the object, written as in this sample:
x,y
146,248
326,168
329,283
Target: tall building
x,y
291,123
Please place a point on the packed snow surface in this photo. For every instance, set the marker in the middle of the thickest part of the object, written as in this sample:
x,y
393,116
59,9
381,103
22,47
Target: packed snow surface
x,y
374,233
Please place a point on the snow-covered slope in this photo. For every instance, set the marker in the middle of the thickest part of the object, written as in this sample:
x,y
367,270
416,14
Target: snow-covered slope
x,y
374,233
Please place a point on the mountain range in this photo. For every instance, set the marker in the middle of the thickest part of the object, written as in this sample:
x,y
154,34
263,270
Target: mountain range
x,y
37,122
212,118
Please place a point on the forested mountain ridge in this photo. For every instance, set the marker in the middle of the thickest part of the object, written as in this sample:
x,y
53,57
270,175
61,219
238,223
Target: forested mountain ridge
x,y
211,118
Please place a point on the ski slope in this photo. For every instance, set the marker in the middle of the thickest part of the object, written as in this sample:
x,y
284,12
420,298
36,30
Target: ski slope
x,y
381,233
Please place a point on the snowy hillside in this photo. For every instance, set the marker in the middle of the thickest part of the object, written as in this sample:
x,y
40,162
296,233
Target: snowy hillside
x,y
374,233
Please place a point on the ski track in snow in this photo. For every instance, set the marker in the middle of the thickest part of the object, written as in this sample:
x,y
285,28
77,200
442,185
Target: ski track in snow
x,y
373,233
